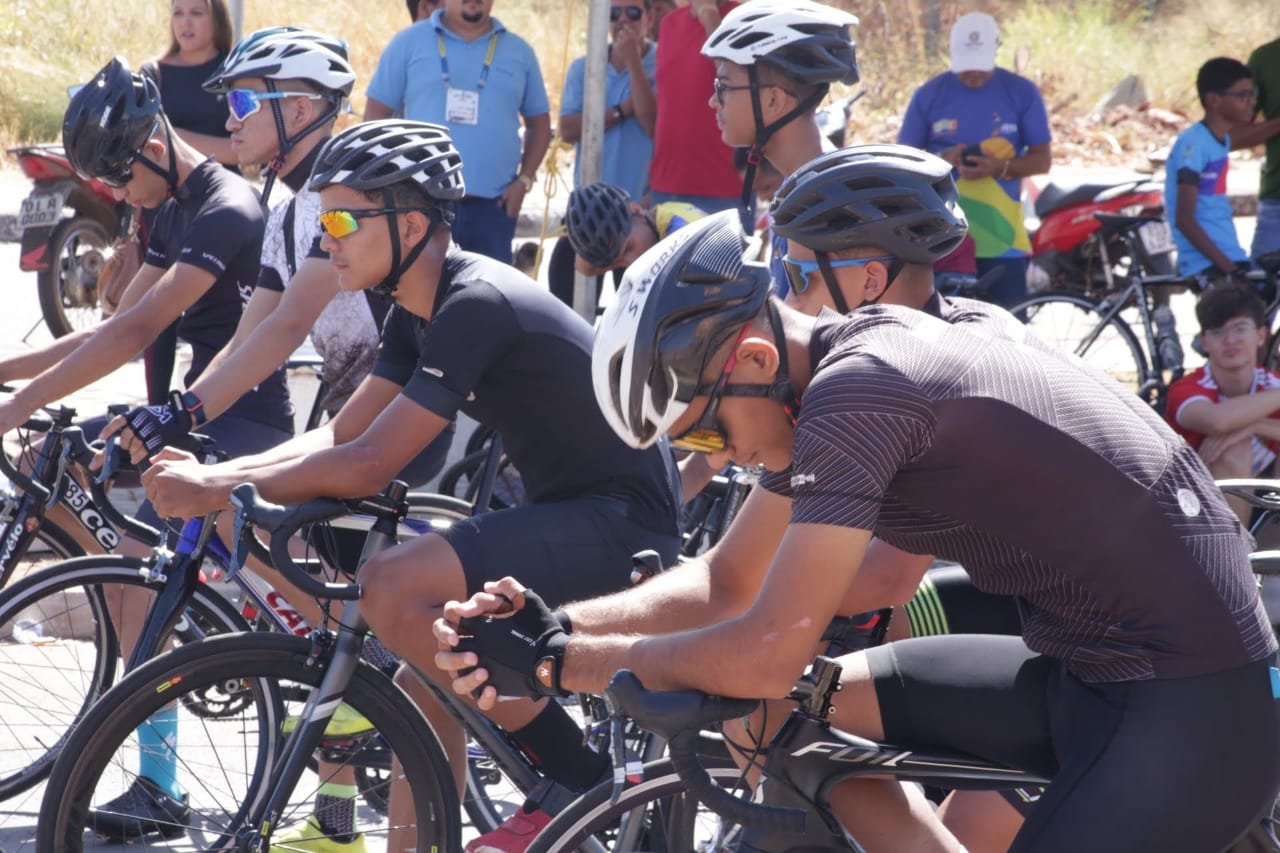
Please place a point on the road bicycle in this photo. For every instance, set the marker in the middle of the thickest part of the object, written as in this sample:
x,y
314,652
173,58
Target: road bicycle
x,y
1129,332
806,759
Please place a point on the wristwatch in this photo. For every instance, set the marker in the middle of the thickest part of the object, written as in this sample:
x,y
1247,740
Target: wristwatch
x,y
619,114
525,181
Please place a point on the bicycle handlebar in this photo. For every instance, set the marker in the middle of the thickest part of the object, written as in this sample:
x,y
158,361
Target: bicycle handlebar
x,y
42,421
81,451
282,522
678,716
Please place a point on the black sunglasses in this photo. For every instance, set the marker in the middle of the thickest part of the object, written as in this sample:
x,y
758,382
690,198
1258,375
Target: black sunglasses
x,y
118,178
634,13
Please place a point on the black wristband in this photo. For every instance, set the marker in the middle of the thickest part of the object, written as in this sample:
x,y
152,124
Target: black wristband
x,y
550,664
562,616
617,111
194,406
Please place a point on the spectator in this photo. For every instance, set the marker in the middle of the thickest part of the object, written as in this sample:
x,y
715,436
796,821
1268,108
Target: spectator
x,y
420,10
630,107
690,162
463,69
661,8
1195,186
1229,409
200,39
991,125
1265,65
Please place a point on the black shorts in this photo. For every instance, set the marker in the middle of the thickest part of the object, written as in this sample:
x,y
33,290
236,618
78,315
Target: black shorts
x,y
1181,765
565,551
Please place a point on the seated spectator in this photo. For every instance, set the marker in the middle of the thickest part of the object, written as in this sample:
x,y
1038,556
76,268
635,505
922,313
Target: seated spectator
x,y
1196,175
1229,410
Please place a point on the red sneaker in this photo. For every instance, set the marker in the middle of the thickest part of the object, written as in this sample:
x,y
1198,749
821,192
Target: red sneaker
x,y
514,835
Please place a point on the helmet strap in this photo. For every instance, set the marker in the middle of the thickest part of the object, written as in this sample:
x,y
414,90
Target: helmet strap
x,y
833,286
895,269
170,174
765,132
388,286
287,142
782,390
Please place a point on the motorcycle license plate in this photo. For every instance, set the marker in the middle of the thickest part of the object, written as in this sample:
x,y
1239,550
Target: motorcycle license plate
x,y
41,209
1156,237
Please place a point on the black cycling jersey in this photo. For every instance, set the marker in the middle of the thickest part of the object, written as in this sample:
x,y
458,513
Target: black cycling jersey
x,y
215,224
512,356
1043,480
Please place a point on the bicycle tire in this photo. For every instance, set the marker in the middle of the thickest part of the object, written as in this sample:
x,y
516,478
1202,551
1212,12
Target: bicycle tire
x,y
51,543
1067,323
660,801
462,479
74,659
94,765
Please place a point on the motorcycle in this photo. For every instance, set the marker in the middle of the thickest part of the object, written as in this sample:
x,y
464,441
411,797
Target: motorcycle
x,y
68,226
1067,251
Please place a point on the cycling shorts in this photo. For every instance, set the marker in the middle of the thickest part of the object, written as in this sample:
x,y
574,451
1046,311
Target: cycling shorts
x,y
565,551
1181,765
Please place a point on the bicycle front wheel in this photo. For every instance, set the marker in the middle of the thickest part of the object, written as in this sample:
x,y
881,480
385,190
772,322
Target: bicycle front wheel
x,y
1073,324
656,814
224,765
66,653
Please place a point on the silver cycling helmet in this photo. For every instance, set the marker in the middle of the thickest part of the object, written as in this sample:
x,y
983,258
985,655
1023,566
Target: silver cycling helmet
x,y
677,305
598,222
288,53
895,198
807,41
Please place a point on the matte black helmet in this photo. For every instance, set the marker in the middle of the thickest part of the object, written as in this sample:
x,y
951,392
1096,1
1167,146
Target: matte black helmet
x,y
108,121
895,198
678,304
377,154
598,222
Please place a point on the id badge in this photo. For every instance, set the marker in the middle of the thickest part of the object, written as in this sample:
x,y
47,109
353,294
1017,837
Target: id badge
x,y
462,106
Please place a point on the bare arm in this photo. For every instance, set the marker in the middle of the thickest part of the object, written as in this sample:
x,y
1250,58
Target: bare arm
x,y
267,342
376,110
1249,135
1228,414
537,138
217,147
261,303
1185,219
781,627
642,103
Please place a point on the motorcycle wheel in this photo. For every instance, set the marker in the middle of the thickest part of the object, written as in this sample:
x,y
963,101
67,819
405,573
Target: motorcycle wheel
x,y
68,289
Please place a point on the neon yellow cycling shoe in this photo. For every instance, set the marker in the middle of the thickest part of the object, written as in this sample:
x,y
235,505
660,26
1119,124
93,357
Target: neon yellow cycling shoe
x,y
345,722
307,836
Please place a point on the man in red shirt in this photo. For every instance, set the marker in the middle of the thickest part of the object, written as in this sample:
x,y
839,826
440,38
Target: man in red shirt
x,y
1229,410
690,161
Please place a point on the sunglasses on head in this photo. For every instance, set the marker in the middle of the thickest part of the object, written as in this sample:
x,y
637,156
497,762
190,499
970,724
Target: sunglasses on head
x,y
242,103
798,272
633,13
339,222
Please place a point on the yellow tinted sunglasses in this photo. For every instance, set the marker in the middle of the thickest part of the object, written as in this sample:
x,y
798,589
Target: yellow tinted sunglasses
x,y
339,222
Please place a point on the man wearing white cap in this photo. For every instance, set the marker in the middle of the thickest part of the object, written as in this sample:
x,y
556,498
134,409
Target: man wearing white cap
x,y
989,123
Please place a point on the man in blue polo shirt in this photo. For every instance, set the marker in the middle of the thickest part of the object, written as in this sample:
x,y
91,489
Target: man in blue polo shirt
x,y
462,68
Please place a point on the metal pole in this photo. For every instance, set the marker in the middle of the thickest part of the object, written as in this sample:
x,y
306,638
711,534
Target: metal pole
x,y
237,19
592,147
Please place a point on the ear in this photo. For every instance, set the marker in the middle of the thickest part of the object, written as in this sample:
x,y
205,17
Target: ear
x,y
759,355
413,226
877,281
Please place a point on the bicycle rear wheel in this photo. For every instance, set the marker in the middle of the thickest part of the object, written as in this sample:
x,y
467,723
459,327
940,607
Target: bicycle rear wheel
x,y
656,814
225,766
1074,325
68,654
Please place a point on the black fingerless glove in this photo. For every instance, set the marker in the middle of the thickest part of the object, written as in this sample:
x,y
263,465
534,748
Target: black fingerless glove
x,y
523,651
160,426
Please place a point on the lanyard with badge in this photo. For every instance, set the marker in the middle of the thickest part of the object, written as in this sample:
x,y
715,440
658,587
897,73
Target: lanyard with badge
x,y
462,106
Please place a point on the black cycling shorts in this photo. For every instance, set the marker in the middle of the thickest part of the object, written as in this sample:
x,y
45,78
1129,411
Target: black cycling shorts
x,y
1181,765
565,551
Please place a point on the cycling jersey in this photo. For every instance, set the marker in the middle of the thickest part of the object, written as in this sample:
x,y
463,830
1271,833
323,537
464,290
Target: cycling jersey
x,y
1042,480
670,216
507,353
346,332
1200,385
215,224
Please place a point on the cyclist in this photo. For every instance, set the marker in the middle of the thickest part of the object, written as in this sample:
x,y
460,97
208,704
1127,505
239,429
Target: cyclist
x,y
937,439
387,189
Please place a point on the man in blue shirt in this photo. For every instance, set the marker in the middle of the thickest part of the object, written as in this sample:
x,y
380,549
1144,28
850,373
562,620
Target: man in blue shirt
x,y
462,68
1196,173
630,104
991,125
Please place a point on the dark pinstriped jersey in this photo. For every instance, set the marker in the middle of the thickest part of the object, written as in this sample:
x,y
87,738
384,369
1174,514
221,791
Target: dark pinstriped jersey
x,y
1045,481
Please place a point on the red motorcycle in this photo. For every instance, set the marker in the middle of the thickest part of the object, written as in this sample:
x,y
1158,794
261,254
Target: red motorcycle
x,y
1066,241
68,227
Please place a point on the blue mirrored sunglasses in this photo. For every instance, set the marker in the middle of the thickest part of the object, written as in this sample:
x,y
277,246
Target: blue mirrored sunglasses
x,y
242,103
798,272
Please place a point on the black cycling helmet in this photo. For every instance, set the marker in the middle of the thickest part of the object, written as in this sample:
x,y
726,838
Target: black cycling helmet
x,y
895,198
377,155
678,304
598,222
108,120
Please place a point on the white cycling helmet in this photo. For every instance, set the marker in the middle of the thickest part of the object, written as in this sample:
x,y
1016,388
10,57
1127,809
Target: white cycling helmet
x,y
677,305
288,53
807,41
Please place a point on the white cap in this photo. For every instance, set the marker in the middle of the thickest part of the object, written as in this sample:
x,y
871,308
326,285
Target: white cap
x,y
974,40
